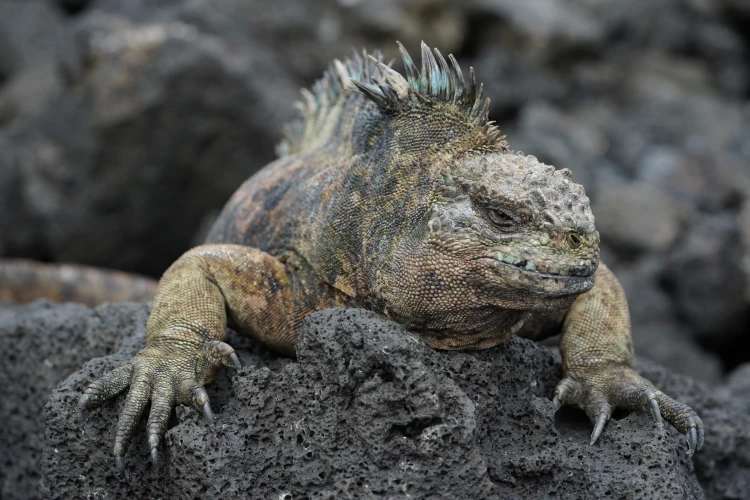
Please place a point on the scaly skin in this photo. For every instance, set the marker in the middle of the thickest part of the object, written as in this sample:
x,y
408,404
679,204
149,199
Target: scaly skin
x,y
400,198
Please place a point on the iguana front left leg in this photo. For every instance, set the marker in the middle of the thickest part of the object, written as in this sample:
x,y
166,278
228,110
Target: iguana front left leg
x,y
199,294
597,353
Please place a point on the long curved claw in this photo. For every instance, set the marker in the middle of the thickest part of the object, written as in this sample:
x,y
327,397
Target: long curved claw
x,y
654,407
563,392
601,420
692,440
556,404
208,414
200,400
234,361
699,425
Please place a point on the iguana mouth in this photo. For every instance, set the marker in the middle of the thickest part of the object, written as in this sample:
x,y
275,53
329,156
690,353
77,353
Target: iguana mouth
x,y
579,270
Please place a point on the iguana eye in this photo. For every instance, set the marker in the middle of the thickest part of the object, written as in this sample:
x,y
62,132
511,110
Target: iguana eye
x,y
500,217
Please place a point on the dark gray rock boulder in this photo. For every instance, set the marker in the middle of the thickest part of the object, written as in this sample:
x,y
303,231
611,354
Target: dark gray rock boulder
x,y
120,167
706,275
368,410
40,345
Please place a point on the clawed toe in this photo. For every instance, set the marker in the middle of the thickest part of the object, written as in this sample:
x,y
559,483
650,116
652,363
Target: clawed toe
x,y
599,393
217,353
200,400
163,384
684,419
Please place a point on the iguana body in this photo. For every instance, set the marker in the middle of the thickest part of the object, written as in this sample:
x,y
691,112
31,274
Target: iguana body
x,y
402,199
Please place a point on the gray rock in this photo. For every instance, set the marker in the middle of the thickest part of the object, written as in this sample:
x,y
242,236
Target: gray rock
x,y
40,345
547,21
658,331
368,410
744,227
561,139
306,36
704,273
35,48
513,81
738,387
120,170
671,345
32,34
736,7
636,217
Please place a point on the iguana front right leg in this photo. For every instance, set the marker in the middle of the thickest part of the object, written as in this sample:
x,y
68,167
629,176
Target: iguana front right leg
x,y
199,294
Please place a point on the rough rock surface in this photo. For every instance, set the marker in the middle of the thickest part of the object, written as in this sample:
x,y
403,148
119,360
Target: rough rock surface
x,y
368,410
40,345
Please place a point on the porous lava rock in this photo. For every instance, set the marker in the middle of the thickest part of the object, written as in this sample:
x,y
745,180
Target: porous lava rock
x,y
368,410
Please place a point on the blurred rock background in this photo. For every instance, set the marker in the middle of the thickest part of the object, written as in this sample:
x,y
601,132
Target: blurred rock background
x,y
125,126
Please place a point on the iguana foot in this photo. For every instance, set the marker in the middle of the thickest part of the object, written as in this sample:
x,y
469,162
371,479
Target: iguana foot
x,y
165,379
599,391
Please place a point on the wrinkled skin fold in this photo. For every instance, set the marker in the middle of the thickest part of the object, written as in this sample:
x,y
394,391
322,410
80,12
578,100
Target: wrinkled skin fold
x,y
400,198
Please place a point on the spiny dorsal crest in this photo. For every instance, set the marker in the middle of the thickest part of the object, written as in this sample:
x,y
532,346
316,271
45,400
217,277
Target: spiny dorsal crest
x,y
309,129
437,81
337,78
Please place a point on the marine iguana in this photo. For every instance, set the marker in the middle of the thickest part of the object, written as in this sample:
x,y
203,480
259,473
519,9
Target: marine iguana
x,y
394,194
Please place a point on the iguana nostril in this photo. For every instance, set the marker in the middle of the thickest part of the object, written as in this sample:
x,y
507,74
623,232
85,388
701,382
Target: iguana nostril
x,y
573,240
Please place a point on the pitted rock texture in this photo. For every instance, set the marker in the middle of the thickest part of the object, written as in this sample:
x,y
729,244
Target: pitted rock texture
x,y
367,410
40,345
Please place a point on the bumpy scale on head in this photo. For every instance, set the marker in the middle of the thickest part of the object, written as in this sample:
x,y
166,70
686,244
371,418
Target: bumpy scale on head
x,y
527,217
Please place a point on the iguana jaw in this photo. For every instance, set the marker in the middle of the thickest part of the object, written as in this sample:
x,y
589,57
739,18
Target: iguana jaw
x,y
541,284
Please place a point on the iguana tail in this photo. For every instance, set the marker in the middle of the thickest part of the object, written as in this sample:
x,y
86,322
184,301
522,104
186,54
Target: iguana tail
x,y
24,281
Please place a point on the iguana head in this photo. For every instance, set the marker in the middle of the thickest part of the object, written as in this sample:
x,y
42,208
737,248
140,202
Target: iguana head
x,y
524,228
